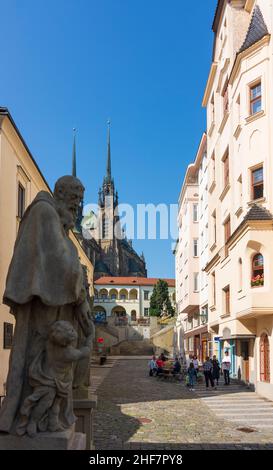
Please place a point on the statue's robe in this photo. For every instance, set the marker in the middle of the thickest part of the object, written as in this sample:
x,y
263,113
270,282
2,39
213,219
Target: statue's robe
x,y
43,285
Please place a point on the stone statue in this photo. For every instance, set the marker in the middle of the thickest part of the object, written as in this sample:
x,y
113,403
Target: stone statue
x,y
86,327
51,377
45,284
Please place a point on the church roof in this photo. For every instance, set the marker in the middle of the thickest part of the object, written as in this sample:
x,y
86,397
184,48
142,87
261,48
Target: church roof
x,y
256,31
132,281
100,267
133,266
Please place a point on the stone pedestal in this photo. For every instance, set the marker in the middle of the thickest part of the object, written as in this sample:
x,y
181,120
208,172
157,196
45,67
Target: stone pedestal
x,y
65,440
83,408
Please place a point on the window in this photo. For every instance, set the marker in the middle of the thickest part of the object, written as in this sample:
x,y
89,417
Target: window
x,y
213,168
146,312
257,278
122,297
196,282
227,229
226,168
225,98
240,191
213,285
213,215
146,295
227,233
133,315
195,247
105,226
226,291
264,359
257,183
21,201
238,109
113,296
240,267
255,98
195,212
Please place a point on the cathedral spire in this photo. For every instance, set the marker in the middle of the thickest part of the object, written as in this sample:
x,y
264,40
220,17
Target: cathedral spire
x,y
74,169
108,171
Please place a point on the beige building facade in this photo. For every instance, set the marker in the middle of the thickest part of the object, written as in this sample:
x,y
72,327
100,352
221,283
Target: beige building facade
x,y
20,181
191,256
239,102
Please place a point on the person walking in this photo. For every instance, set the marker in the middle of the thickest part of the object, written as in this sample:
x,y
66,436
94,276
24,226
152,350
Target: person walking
x,y
226,365
192,376
207,366
195,363
215,370
152,366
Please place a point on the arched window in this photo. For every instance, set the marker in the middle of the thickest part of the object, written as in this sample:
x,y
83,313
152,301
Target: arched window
x,y
113,294
133,315
257,278
264,359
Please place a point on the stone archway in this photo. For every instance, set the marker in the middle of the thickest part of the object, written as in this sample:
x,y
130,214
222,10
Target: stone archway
x,y
119,313
100,314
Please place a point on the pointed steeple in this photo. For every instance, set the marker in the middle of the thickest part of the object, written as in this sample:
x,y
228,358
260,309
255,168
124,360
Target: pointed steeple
x,y
74,168
108,170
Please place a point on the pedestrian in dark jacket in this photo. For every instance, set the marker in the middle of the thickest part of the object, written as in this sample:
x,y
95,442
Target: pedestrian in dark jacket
x,y
215,369
207,367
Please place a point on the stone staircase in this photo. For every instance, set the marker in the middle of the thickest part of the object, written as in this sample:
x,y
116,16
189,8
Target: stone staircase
x,y
141,347
238,404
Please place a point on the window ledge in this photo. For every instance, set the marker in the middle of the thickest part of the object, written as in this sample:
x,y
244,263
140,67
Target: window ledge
x,y
224,192
239,212
237,131
223,123
255,116
212,308
256,201
212,187
225,315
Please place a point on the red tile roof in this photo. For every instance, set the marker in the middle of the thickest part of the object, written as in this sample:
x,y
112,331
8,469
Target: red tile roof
x,y
132,281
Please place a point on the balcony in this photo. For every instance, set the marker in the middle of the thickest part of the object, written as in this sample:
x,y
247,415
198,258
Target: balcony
x,y
113,301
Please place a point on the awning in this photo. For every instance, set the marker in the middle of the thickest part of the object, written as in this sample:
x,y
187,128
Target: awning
x,y
222,338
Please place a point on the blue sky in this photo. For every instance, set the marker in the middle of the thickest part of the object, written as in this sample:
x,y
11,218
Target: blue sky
x,y
143,64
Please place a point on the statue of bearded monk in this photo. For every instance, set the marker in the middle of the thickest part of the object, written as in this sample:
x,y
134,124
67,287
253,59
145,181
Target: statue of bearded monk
x,y
44,284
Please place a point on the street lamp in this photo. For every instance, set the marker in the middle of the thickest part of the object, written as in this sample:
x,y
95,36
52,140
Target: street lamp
x,y
204,316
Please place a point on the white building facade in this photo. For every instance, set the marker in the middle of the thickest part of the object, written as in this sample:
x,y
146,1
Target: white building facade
x,y
191,256
239,102
127,299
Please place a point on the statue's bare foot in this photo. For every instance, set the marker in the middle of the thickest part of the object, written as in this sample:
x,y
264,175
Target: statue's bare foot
x,y
32,429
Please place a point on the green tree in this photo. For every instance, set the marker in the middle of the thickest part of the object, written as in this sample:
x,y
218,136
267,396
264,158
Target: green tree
x,y
160,300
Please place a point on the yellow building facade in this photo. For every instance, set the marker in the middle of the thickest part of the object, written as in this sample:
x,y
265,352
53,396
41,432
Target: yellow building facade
x,y
20,181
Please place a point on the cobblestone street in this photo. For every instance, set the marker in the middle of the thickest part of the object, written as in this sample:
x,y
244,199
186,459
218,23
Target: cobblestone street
x,y
136,411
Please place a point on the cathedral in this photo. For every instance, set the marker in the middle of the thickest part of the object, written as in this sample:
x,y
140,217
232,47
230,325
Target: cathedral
x,y
111,253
